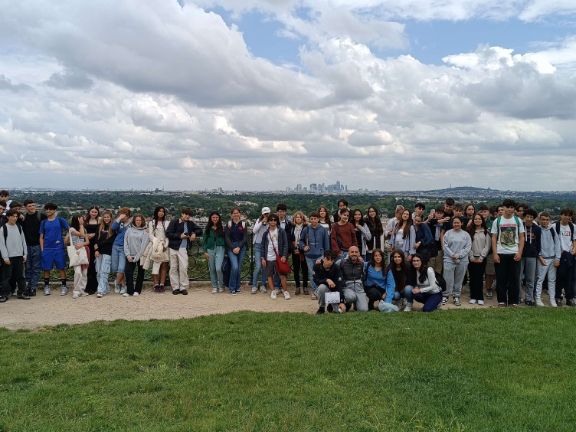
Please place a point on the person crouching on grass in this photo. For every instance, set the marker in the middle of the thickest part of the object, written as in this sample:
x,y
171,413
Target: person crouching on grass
x,y
274,244
328,278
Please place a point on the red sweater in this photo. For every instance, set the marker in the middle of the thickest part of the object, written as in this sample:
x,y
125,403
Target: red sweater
x,y
343,234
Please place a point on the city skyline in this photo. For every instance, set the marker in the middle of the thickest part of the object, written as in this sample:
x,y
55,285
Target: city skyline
x,y
262,95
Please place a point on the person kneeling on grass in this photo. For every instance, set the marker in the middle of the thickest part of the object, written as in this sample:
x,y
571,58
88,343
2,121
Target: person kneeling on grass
x,y
327,278
352,269
421,286
274,246
379,283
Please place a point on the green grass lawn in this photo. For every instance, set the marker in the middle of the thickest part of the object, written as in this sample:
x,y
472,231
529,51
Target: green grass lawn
x,y
488,370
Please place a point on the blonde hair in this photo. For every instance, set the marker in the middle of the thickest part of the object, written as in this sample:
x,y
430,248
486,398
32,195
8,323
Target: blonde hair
x,y
302,216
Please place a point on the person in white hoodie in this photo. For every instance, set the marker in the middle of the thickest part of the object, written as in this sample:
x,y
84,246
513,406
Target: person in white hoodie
x,y
481,243
259,229
135,241
548,260
456,244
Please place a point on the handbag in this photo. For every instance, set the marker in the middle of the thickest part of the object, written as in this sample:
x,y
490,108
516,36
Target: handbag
x,y
332,297
282,267
76,257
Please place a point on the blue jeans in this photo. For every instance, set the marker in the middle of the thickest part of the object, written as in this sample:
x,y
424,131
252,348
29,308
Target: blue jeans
x,y
215,258
103,271
310,263
258,267
406,293
235,269
33,267
118,259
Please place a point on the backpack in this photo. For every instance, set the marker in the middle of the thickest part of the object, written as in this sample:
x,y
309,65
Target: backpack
x,y
243,223
43,227
518,225
6,231
440,281
570,224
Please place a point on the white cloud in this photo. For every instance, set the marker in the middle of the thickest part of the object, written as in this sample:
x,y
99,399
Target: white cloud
x,y
174,97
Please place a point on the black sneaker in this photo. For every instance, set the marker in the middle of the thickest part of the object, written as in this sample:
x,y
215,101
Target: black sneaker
x,y
329,308
320,311
23,297
185,292
175,292
348,307
3,299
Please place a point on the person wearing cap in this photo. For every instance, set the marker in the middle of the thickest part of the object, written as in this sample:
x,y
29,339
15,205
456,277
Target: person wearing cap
x,y
52,247
259,229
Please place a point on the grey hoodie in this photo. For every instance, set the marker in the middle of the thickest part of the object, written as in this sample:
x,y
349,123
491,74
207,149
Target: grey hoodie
x,y
550,243
135,242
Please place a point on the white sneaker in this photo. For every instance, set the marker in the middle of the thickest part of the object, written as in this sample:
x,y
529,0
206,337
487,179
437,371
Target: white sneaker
x,y
136,294
553,303
47,290
254,290
75,295
473,301
286,295
408,307
220,290
214,290
457,301
125,295
263,289
539,302
480,302
444,301
117,288
63,291
273,294
99,295
123,290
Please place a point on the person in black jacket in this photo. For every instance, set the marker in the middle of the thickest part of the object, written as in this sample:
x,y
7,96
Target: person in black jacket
x,y
327,278
180,232
274,246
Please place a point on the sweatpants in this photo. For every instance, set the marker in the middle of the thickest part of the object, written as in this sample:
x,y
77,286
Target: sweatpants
x,y
544,270
454,275
13,275
354,293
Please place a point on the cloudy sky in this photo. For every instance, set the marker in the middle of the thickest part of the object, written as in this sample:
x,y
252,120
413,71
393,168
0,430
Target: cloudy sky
x,y
264,94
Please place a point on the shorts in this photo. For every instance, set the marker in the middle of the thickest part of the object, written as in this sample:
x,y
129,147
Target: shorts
x,y
53,257
490,269
271,269
118,259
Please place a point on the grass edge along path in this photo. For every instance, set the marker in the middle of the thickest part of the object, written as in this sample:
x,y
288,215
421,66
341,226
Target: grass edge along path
x,y
482,370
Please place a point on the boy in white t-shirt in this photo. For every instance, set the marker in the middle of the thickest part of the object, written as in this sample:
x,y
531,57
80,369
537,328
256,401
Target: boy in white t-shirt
x,y
507,246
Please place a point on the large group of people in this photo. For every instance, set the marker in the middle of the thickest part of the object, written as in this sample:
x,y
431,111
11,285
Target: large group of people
x,y
348,260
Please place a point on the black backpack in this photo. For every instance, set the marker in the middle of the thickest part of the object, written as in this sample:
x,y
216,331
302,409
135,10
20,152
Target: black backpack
x,y
440,281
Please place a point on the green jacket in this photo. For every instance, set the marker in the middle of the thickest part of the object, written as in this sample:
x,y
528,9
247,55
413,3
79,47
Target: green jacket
x,y
212,239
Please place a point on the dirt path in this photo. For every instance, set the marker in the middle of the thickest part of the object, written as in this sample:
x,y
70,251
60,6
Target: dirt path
x,y
51,310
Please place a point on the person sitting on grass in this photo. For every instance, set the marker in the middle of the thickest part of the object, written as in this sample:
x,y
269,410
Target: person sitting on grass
x,y
327,278
421,286
352,270
274,246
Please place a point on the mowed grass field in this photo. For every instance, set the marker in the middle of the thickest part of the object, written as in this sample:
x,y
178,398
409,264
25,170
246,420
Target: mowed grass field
x,y
479,370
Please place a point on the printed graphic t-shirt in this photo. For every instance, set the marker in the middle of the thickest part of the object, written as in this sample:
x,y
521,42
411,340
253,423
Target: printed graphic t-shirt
x,y
509,235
